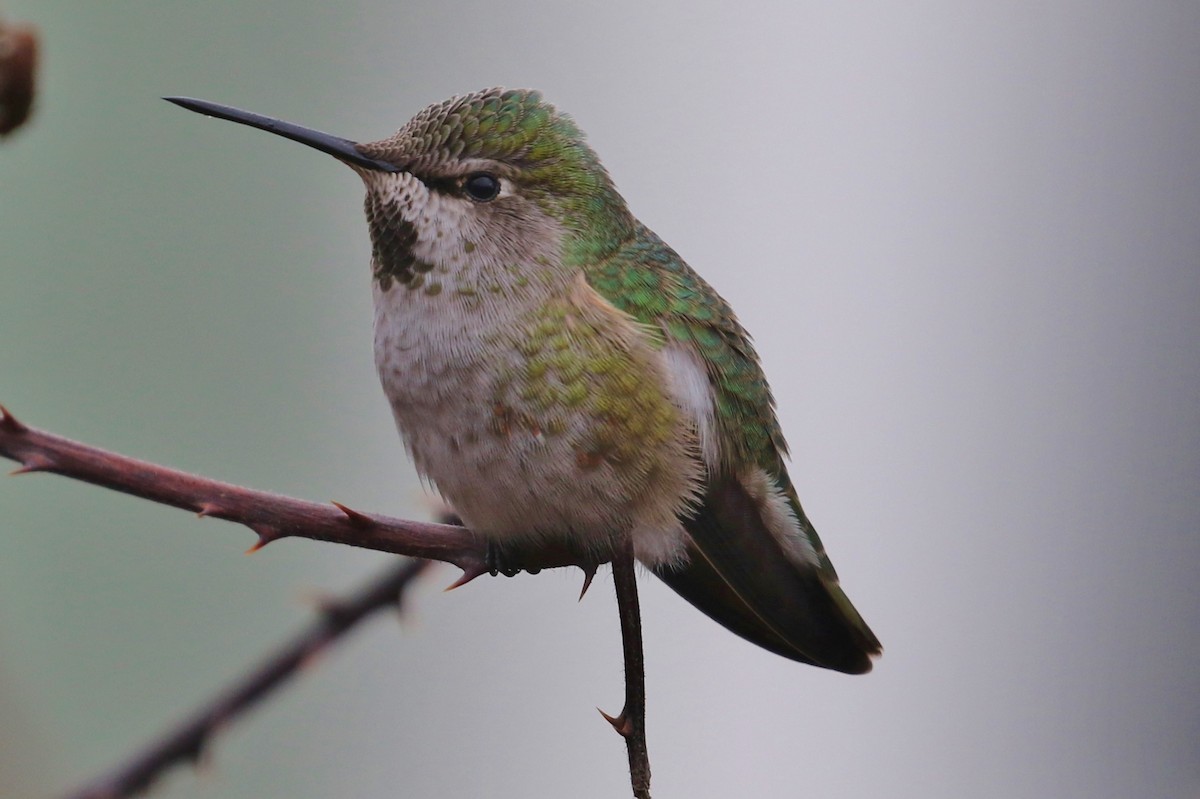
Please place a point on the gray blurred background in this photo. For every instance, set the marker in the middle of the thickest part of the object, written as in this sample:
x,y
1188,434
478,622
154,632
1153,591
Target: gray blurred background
x,y
967,242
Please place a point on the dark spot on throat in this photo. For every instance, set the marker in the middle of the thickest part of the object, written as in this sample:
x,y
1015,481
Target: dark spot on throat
x,y
392,241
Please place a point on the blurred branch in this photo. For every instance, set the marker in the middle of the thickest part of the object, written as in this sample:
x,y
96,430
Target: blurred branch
x,y
187,742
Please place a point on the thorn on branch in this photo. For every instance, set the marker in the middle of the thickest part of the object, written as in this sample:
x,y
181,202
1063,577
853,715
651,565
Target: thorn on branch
x,y
207,509
359,520
33,463
266,534
589,574
9,423
621,723
467,576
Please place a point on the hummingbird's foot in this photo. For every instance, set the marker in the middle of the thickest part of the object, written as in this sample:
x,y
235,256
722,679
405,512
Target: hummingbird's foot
x,y
511,559
504,561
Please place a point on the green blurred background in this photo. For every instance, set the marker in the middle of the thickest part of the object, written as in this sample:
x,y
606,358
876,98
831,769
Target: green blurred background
x,y
966,241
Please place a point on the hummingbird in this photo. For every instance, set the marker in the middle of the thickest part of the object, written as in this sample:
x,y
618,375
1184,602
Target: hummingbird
x,y
563,377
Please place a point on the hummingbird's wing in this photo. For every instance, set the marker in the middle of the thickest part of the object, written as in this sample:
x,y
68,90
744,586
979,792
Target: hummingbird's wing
x,y
740,575
756,564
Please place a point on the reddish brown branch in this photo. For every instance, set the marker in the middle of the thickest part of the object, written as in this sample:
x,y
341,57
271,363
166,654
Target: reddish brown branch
x,y
187,742
270,516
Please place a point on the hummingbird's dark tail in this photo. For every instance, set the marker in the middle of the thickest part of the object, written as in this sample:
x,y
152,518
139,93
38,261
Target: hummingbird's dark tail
x,y
739,574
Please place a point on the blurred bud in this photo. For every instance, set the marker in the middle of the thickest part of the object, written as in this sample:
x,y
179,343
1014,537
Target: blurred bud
x,y
18,66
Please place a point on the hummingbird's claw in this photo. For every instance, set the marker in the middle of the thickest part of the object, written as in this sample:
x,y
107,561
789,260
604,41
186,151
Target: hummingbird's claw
x,y
620,723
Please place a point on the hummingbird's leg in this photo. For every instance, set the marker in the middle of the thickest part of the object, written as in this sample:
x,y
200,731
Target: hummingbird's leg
x,y
631,722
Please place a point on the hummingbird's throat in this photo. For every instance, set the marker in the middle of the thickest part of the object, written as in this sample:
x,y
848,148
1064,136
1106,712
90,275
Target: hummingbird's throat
x,y
393,241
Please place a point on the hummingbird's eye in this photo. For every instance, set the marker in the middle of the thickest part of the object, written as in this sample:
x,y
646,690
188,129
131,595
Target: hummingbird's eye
x,y
482,186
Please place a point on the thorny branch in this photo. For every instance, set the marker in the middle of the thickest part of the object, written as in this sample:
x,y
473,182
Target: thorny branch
x,y
187,742
271,517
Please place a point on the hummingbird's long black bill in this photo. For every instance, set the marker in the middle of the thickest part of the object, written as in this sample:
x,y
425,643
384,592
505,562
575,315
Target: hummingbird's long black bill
x,y
341,149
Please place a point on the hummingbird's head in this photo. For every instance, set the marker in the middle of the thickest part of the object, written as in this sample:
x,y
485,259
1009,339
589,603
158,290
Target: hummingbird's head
x,y
498,176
